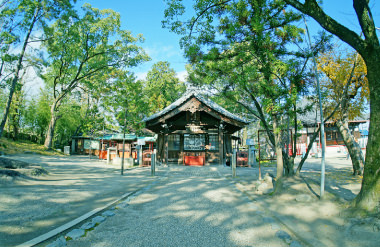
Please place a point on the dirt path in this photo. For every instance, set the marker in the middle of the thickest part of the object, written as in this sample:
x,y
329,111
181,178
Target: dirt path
x,y
74,186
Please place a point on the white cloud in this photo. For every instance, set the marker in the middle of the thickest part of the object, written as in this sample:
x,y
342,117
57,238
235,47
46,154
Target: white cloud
x,y
159,53
141,75
182,75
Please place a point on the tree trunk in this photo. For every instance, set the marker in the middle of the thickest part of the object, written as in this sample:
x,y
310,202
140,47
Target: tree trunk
x,y
369,195
12,121
18,68
369,48
51,128
309,147
353,149
50,132
277,136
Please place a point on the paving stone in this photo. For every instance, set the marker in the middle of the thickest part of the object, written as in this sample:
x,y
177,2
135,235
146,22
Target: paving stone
x,y
98,219
87,225
295,244
60,242
108,213
284,236
75,234
123,205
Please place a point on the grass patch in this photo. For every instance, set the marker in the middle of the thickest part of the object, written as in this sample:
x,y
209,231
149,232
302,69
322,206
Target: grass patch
x,y
8,146
268,163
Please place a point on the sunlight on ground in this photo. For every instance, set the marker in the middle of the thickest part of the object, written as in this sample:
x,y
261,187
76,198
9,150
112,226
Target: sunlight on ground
x,y
220,195
191,215
217,219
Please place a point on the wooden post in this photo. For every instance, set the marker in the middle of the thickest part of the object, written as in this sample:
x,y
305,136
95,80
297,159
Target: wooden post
x,y
108,156
166,150
140,155
90,148
221,151
233,164
153,163
258,141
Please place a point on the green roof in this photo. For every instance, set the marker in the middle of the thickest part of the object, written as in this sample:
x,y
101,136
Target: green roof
x,y
128,137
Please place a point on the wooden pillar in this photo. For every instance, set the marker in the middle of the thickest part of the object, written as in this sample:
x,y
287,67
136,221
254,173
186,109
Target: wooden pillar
x,y
181,149
221,145
166,150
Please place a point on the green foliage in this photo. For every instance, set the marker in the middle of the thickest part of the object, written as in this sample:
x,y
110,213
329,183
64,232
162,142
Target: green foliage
x,y
37,115
242,49
17,18
162,87
125,100
87,51
251,53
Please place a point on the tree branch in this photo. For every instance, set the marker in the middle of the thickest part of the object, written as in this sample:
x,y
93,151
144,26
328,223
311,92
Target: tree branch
x,y
312,8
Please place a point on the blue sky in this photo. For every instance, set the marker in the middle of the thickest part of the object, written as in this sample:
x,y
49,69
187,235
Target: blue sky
x,y
145,16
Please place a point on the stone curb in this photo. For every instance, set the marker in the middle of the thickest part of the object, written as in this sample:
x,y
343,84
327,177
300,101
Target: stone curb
x,y
76,221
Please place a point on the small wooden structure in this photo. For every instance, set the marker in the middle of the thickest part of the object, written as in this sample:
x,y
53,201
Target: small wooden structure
x,y
84,145
115,142
194,131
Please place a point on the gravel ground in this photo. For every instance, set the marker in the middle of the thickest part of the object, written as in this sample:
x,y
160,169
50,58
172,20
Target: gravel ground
x,y
74,186
192,207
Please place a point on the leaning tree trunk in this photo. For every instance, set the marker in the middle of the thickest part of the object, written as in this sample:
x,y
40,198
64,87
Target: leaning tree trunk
x,y
369,195
278,148
17,71
353,150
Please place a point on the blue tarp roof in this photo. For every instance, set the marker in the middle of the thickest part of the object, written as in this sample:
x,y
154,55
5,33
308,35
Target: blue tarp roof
x,y
364,132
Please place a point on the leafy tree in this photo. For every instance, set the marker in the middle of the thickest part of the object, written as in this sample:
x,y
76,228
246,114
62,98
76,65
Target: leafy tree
x,y
90,119
20,19
369,49
241,48
347,95
125,100
162,87
66,126
15,113
83,47
37,115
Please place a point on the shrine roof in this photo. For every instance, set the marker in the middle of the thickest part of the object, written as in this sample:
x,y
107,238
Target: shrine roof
x,y
196,94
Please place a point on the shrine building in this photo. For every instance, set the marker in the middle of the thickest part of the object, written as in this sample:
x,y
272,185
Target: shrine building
x,y
194,131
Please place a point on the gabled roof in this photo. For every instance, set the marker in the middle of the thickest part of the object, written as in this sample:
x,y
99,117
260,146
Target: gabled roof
x,y
195,93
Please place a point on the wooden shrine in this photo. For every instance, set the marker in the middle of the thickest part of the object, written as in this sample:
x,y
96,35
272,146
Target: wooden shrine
x,y
194,131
